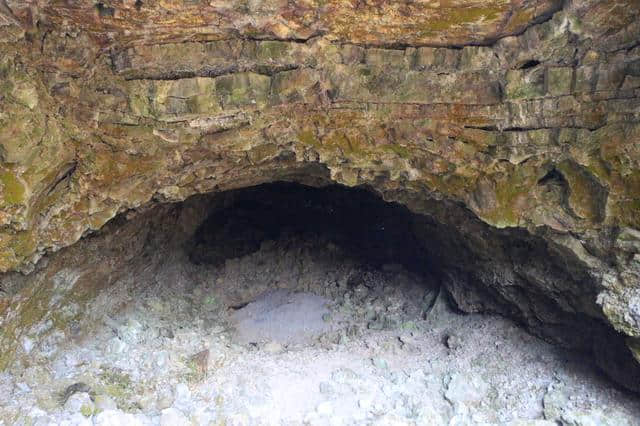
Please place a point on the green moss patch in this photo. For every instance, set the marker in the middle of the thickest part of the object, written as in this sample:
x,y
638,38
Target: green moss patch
x,y
13,191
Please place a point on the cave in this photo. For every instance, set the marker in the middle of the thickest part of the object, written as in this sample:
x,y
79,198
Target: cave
x,y
319,212
205,310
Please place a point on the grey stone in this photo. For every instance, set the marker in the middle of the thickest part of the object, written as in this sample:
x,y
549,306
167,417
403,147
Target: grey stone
x,y
466,388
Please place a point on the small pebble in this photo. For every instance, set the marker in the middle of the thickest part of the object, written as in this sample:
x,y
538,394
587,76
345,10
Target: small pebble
x,y
453,342
80,402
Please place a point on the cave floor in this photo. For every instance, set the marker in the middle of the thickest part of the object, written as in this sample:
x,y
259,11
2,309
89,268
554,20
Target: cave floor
x,y
298,333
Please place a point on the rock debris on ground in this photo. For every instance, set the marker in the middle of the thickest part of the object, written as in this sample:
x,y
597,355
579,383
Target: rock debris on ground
x,y
299,333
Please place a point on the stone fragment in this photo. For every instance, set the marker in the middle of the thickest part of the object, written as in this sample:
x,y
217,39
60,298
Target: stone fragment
x,y
80,402
453,342
465,388
73,389
200,361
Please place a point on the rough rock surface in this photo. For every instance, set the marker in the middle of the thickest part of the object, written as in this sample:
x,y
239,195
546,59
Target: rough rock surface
x,y
513,126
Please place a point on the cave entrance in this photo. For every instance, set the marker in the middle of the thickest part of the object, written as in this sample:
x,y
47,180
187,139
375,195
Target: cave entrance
x,y
286,304
267,244
355,221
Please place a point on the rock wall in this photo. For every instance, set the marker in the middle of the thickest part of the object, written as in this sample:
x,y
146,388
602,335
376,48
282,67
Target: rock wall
x,y
520,118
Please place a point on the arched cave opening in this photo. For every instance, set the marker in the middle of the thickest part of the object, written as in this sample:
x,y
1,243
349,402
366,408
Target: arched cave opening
x,y
286,302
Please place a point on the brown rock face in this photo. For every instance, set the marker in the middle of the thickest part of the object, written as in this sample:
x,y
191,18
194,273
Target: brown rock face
x,y
379,23
513,125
